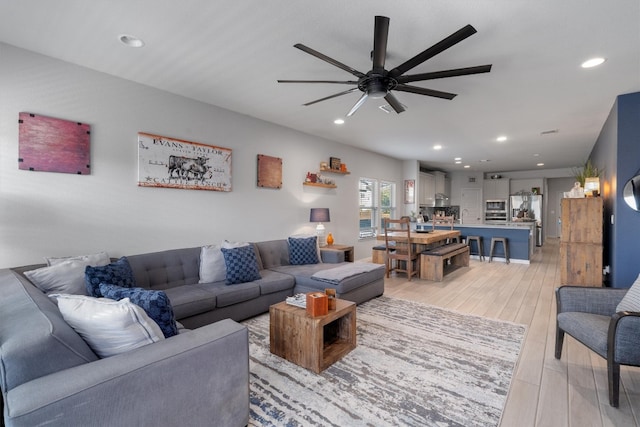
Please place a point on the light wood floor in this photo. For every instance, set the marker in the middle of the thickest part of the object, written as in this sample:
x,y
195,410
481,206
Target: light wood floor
x,y
544,391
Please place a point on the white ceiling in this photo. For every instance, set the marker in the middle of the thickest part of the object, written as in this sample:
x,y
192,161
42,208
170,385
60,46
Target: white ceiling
x,y
230,54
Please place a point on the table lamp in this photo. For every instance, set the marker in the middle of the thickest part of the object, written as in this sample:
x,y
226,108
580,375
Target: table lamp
x,y
320,215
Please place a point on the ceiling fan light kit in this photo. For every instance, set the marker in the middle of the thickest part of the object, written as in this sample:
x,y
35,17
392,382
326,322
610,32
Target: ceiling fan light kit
x,y
379,83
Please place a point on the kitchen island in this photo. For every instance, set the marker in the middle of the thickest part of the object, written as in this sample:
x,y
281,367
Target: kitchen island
x,y
520,235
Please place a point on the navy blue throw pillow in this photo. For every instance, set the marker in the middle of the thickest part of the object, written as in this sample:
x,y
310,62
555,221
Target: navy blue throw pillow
x,y
303,250
117,273
155,303
242,264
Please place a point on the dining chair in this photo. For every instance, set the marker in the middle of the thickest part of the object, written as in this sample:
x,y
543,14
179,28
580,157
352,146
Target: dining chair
x,y
444,221
397,239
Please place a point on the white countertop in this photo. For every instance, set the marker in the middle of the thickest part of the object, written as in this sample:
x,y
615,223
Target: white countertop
x,y
508,224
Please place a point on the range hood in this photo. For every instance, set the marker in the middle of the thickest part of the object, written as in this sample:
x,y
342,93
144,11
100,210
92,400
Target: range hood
x,y
441,200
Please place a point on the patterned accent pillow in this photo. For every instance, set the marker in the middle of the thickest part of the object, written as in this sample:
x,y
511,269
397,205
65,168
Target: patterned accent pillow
x,y
242,264
631,300
117,273
155,303
303,250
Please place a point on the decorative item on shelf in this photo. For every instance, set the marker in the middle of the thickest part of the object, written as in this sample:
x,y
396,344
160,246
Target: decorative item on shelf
x,y
343,167
592,186
329,239
331,295
324,166
576,192
317,304
320,215
589,170
335,163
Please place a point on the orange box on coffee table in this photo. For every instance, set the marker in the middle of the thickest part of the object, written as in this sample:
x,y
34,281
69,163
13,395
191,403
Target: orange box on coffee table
x,y
317,304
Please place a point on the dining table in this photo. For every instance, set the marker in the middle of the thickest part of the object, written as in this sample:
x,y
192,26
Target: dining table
x,y
424,240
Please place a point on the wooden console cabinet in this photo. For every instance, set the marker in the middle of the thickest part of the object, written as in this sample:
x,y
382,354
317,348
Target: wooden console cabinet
x,y
581,241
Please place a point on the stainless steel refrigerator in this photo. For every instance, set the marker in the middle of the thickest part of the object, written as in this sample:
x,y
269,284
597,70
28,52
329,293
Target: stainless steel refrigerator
x,y
528,208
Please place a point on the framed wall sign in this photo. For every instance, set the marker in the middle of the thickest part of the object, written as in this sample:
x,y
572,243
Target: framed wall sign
x,y
48,144
409,191
174,163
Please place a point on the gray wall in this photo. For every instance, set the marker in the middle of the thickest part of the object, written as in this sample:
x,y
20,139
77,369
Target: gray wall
x,y
53,214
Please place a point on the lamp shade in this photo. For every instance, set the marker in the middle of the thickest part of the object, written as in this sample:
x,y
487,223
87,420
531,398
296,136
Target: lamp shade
x,y
319,215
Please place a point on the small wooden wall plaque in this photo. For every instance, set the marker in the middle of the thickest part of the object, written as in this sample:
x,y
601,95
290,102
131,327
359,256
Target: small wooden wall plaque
x,y
269,171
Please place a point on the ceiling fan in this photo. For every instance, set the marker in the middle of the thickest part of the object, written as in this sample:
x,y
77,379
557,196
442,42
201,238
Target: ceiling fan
x,y
379,82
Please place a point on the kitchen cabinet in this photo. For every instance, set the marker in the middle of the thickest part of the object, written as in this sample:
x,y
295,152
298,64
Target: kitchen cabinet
x,y
495,189
581,241
427,189
440,181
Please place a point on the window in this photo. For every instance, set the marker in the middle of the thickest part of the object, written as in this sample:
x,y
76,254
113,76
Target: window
x,y
377,201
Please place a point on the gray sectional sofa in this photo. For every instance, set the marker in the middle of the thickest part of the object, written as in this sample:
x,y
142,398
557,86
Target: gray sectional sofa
x,y
49,374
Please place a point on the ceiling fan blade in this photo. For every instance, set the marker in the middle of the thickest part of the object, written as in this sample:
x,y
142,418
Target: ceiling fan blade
x,y
395,104
349,82
331,96
380,36
425,91
358,105
443,74
329,60
437,48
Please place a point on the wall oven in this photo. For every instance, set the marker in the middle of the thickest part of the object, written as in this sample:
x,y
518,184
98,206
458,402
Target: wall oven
x,y
495,211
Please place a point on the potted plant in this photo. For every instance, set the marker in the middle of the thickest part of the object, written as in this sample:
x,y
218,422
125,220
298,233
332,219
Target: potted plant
x,y
589,170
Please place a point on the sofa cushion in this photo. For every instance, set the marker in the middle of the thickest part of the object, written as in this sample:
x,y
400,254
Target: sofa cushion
x,y
241,263
212,266
109,327
64,277
34,338
189,300
117,273
166,269
155,303
303,250
631,300
273,253
272,282
230,295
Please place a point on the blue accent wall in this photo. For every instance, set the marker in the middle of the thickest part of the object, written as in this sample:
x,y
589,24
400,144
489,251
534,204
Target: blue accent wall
x,y
617,152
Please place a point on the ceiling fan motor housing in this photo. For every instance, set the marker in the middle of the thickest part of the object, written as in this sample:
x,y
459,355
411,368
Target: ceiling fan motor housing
x,y
376,85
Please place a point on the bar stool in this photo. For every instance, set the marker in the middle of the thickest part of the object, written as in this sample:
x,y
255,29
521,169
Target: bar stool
x,y
505,245
478,240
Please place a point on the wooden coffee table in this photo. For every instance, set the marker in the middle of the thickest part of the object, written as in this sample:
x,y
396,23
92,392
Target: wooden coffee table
x,y
314,343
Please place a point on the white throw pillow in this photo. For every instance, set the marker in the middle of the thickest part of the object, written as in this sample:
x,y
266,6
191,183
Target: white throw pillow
x,y
109,327
66,277
631,300
212,266
96,260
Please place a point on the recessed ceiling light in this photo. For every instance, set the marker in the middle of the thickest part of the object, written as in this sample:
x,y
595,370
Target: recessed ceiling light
x,y
338,121
437,147
467,166
458,162
131,41
540,164
593,62
501,138
536,155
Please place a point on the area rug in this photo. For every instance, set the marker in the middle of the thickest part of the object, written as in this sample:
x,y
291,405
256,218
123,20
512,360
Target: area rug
x,y
414,365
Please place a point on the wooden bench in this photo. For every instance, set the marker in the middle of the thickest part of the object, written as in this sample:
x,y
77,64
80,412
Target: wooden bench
x,y
432,261
379,254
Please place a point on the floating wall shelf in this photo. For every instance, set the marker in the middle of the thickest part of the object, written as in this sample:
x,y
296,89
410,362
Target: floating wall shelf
x,y
316,184
335,171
